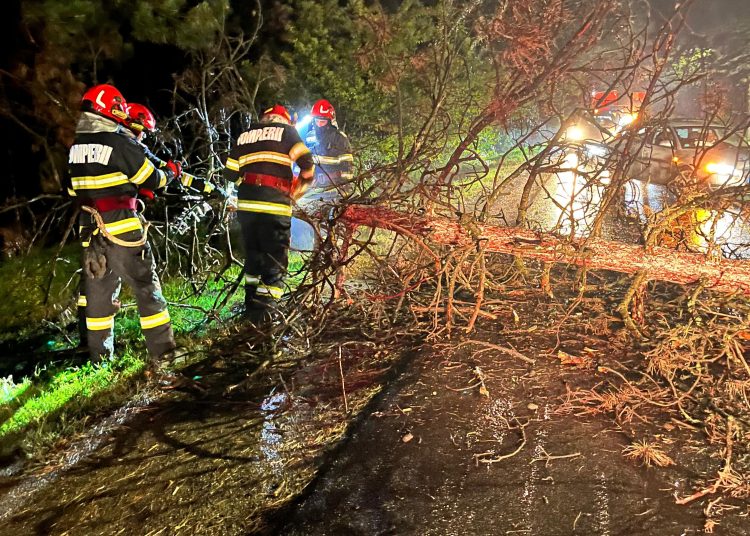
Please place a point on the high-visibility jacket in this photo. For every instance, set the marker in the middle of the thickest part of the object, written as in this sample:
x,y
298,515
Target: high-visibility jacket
x,y
267,149
333,156
105,163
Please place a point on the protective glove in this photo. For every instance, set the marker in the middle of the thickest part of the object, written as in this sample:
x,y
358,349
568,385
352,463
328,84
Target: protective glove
x,y
146,193
299,187
176,169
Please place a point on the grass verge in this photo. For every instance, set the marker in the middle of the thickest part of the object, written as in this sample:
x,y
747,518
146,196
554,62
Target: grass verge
x,y
36,410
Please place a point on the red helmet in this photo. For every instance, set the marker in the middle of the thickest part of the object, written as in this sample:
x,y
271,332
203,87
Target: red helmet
x,y
323,109
141,117
278,109
105,100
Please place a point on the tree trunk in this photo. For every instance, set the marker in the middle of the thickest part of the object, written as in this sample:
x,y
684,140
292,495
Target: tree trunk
x,y
658,263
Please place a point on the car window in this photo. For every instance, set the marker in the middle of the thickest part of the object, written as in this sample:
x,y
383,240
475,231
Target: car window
x,y
699,136
663,138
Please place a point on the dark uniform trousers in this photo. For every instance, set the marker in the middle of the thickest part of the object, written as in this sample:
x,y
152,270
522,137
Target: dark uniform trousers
x,y
266,242
260,164
136,267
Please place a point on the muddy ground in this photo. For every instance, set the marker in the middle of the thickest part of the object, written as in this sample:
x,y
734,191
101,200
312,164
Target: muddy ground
x,y
376,431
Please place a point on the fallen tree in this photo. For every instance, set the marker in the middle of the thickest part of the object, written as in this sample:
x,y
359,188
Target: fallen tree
x,y
656,263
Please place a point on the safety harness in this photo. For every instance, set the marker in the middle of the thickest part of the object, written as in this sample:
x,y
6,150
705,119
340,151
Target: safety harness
x,y
259,179
96,207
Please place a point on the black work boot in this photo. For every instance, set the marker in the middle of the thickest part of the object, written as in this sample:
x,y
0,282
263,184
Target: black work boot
x,y
174,358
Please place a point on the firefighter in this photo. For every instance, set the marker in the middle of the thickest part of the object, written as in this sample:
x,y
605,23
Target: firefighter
x,y
142,122
332,153
260,164
106,169
333,173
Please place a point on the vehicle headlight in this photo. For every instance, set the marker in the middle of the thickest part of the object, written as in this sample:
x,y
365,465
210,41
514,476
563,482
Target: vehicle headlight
x,y
575,133
716,168
626,119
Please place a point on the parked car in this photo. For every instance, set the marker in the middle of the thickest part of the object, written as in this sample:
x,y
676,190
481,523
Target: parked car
x,y
691,150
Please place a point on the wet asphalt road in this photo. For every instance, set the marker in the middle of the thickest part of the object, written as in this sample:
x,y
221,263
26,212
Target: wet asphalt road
x,y
568,477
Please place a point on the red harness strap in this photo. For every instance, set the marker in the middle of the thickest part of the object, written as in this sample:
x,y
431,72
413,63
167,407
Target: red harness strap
x,y
107,204
259,179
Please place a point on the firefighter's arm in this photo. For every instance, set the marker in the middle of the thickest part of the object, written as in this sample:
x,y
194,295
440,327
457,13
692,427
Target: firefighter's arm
x,y
346,159
68,185
302,156
232,167
143,173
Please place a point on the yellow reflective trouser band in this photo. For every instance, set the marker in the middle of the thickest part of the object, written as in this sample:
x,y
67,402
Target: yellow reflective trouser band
x,y
278,209
252,280
82,301
101,323
266,290
159,319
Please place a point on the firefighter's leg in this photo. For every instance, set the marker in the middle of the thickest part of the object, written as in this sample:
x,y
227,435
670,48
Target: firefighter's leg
x,y
250,236
81,306
101,306
274,258
137,268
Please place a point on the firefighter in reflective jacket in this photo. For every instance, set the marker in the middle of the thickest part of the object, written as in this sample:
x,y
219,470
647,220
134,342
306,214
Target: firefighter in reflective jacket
x,y
261,165
106,169
142,122
332,153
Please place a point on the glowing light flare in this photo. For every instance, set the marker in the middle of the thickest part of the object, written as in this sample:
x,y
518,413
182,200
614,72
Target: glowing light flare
x,y
626,119
720,169
575,133
576,201
303,123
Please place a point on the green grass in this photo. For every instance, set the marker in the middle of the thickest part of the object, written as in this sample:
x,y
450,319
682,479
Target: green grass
x,y
83,382
189,315
39,406
10,391
23,286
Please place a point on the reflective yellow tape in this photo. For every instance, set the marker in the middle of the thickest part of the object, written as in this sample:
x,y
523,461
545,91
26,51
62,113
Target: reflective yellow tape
x,y
124,226
101,323
326,160
144,173
187,179
233,164
85,244
162,178
71,192
267,290
264,207
159,319
346,158
265,156
96,182
82,302
298,150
